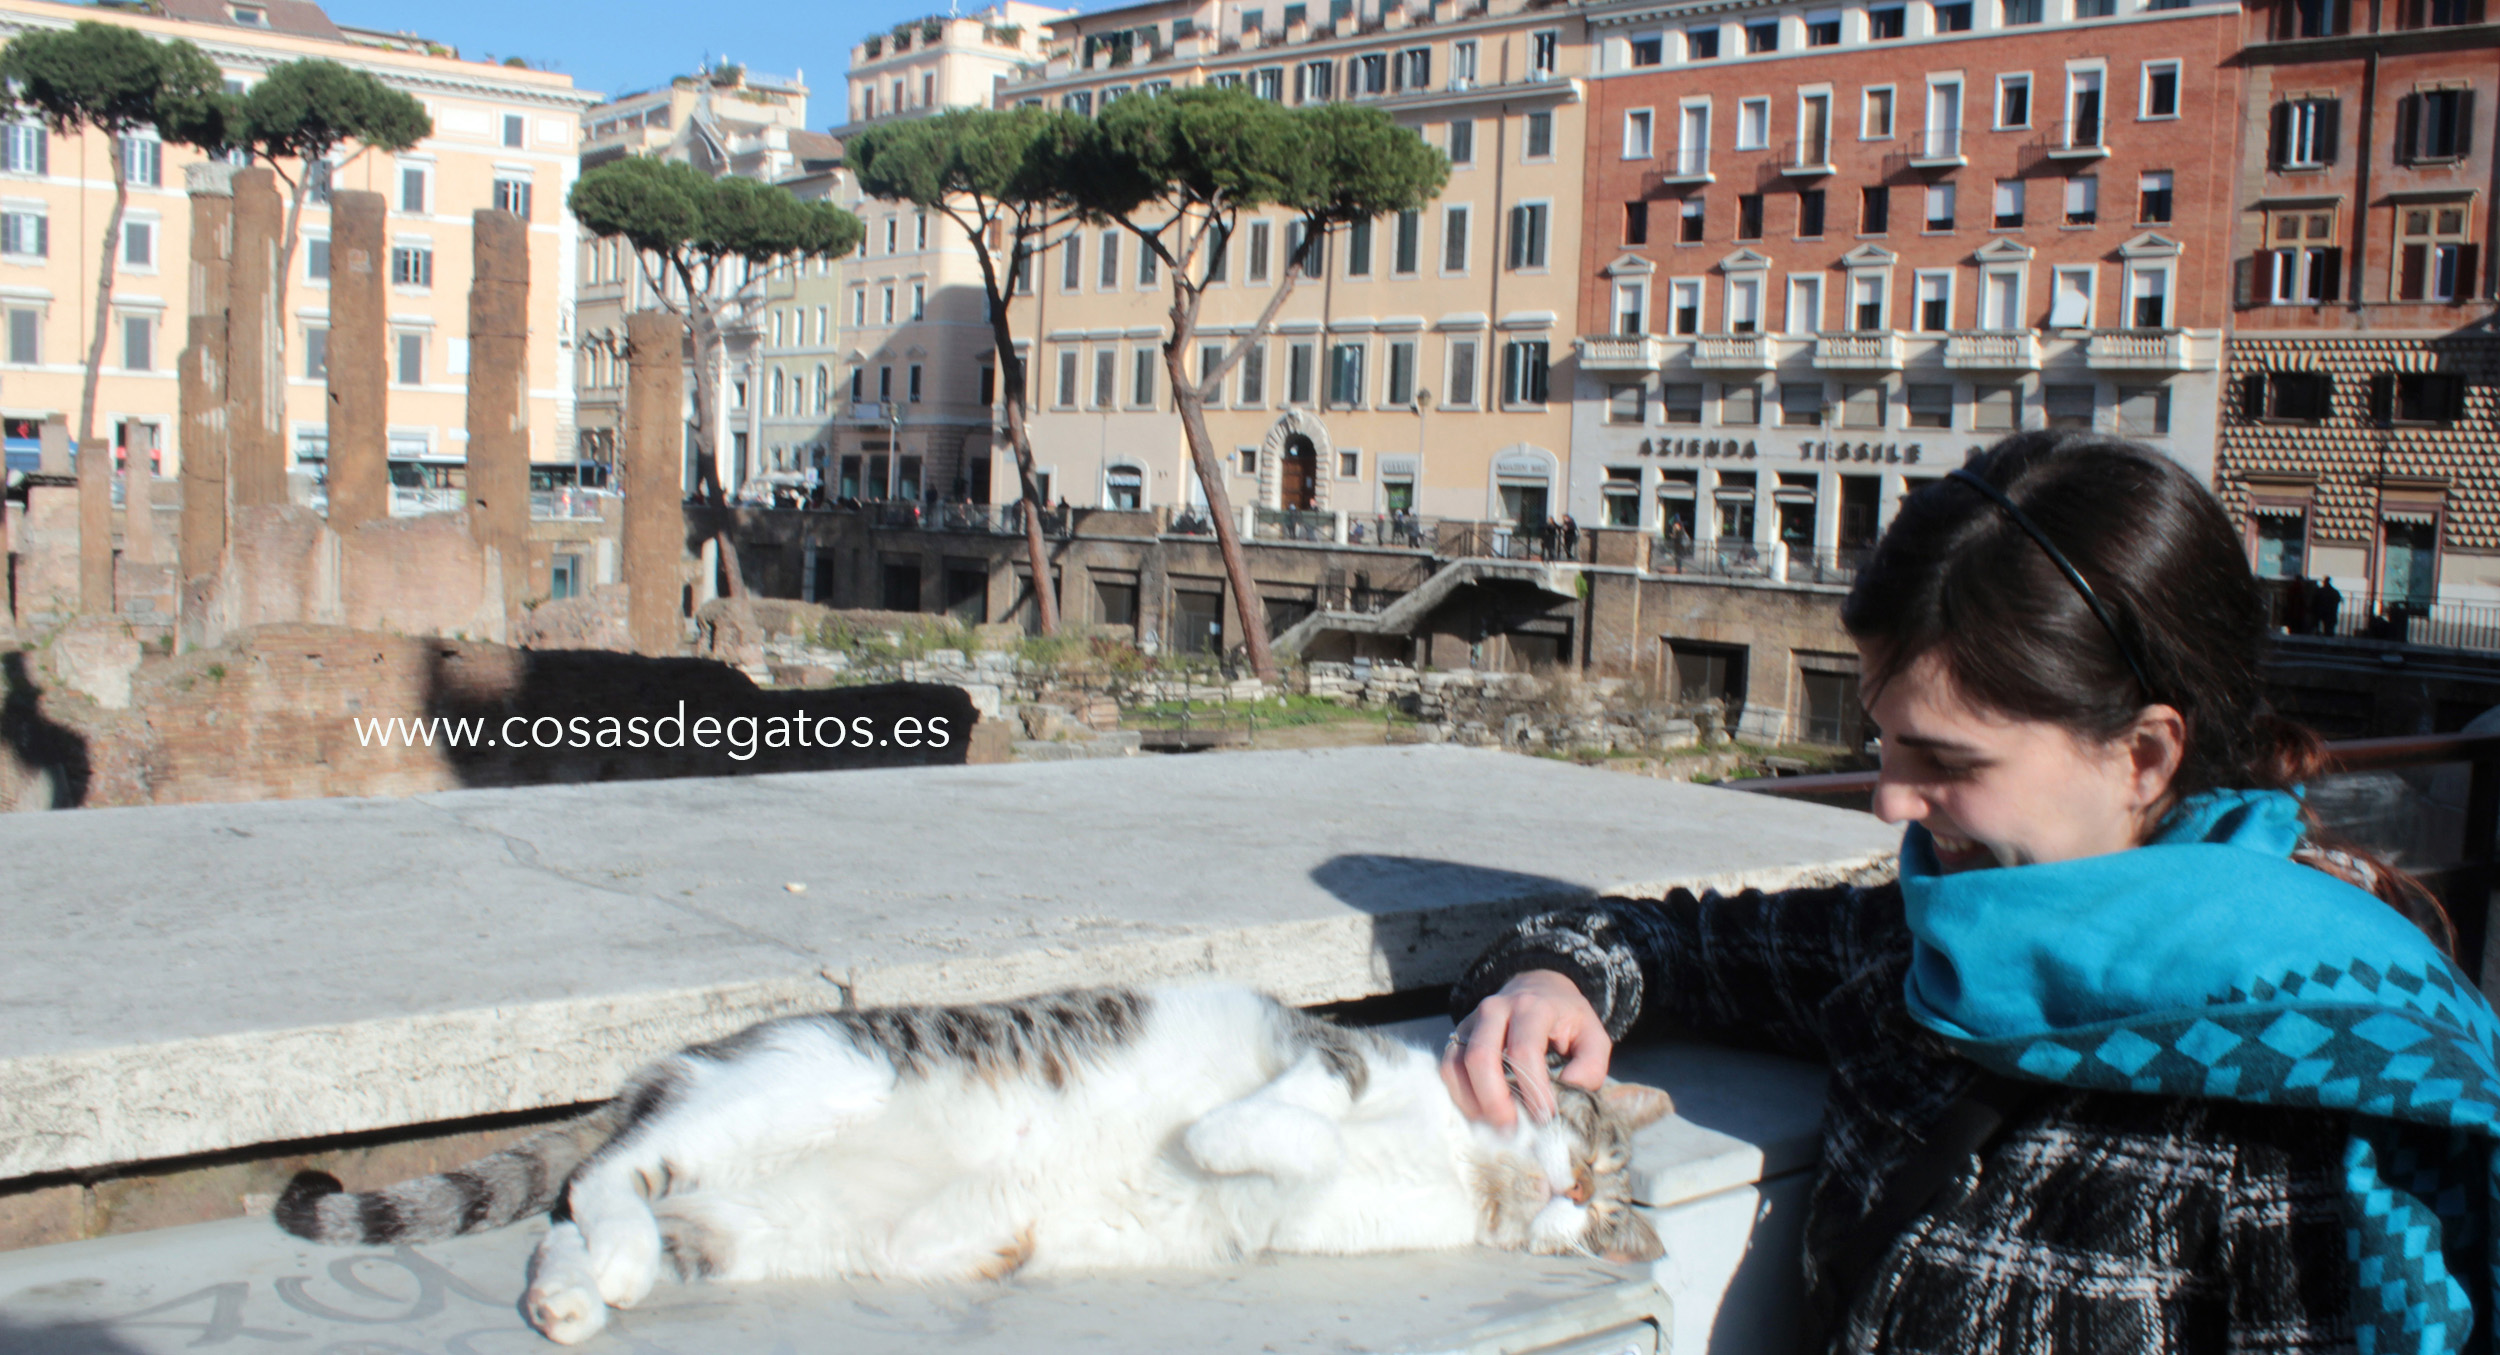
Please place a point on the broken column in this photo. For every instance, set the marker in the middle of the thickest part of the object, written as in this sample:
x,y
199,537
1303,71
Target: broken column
x,y
499,438
655,452
360,470
95,525
255,380
203,374
139,545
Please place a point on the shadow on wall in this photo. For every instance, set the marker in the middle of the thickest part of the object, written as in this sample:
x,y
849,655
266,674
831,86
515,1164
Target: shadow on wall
x,y
66,1338
562,716
51,759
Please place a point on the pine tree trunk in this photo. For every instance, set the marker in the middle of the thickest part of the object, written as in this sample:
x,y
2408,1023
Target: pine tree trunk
x,y
92,453
1185,395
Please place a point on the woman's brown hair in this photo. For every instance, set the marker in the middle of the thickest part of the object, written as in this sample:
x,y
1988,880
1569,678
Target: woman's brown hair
x,y
1957,578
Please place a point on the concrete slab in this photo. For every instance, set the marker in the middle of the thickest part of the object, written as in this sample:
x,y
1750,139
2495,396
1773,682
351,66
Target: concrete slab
x,y
276,971
244,1281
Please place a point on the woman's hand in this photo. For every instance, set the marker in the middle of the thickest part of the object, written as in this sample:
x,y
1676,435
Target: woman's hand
x,y
1534,1012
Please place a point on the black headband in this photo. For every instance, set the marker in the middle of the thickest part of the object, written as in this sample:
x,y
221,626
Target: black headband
x,y
2074,576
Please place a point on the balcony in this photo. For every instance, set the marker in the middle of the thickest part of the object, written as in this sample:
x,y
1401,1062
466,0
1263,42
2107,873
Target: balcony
x,y
1686,165
1937,148
1867,351
1993,350
1625,352
2077,139
1734,352
1807,158
2138,350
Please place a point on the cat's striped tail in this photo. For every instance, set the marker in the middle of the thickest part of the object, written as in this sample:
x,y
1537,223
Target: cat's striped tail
x,y
524,1179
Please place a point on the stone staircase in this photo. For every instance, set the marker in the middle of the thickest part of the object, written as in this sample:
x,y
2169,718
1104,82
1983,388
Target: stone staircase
x,y
1402,616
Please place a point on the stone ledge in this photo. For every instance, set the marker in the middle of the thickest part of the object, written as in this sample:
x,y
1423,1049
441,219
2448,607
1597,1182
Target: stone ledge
x,y
212,977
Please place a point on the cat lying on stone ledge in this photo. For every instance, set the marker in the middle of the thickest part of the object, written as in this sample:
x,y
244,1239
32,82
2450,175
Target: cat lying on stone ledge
x,y
1088,1130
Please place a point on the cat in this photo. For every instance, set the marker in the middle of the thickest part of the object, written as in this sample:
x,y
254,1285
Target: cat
x,y
1087,1130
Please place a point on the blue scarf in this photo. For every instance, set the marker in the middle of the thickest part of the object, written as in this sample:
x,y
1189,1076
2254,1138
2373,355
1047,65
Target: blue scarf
x,y
2208,963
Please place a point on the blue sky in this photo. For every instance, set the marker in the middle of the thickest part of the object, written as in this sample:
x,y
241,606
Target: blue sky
x,y
617,45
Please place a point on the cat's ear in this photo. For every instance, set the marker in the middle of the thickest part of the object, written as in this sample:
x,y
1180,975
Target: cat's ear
x,y
1635,1104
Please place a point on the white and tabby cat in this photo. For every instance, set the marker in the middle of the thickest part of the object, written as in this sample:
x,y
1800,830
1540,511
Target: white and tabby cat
x,y
1087,1130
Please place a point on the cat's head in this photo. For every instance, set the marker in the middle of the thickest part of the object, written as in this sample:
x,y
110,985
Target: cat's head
x,y
1564,1188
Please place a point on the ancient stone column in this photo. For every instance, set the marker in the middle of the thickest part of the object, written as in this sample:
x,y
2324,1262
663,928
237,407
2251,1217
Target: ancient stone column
x,y
95,528
499,437
255,377
139,544
655,458
55,445
359,360
203,373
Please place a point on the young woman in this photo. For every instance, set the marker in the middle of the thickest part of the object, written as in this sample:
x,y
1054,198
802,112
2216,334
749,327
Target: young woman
x,y
2126,1060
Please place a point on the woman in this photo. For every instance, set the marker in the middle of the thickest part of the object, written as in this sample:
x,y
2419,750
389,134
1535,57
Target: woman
x,y
2125,1060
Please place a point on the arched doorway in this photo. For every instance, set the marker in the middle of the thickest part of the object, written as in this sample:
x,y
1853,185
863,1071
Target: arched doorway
x,y
1298,474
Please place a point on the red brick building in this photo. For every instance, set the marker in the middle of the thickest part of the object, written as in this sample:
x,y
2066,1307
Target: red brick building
x,y
2361,442
1832,247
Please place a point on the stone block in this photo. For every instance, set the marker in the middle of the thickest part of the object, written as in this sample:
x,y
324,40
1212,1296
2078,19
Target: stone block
x,y
96,656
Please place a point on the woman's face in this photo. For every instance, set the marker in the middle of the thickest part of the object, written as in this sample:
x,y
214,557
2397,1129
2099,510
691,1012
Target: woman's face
x,y
1993,790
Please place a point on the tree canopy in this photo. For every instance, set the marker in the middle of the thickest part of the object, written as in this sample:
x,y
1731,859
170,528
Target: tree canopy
x,y
303,110
117,81
980,156
672,210
1227,150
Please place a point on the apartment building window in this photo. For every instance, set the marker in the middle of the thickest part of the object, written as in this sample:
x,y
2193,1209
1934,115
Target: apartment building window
x,y
1079,102
1462,141
2315,18
1358,248
1887,22
317,352
138,343
1407,244
1862,405
920,230
1538,144
1141,378
1268,82
138,244
2288,397
513,195
1401,390
1414,69
2001,299
143,160
2441,13
2013,101
1934,294
412,266
1636,223
1544,51
1067,370
1810,205
2433,260
2020,12
1462,387
1345,375
1367,76
515,130
1749,216
1146,266
1527,235
1314,82
1071,262
1684,305
1952,18
1254,267
1701,43
1866,302
920,301
409,368
1679,402
1823,28
1638,138
1631,305
2009,204
2083,200
2304,133
2417,397
2069,408
1875,114
415,184
2434,125
1210,356
2070,298
1108,274
1649,49
1106,378
885,306
1524,372
1253,382
1928,406
1762,37
1753,124
2153,197
2302,264
1693,217
1462,63
1996,409
1874,210
2161,90
2143,410
859,306
1801,404
1744,304
2148,298
891,227
1301,362
1805,304
25,148
1067,379
1314,262
1740,406
1623,491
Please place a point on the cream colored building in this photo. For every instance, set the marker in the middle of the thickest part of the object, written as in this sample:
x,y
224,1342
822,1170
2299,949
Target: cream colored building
x,y
1414,370
503,137
723,121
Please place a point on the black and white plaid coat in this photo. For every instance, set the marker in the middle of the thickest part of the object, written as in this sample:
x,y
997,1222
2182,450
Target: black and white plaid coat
x,y
2097,1222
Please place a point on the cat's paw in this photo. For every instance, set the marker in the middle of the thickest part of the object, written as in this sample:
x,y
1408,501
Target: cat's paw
x,y
1257,1138
564,1311
625,1260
